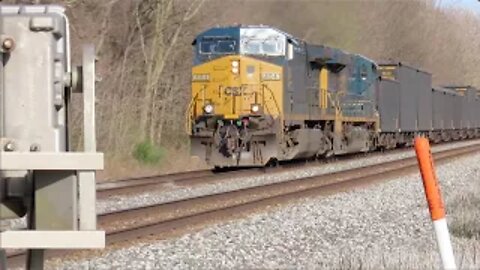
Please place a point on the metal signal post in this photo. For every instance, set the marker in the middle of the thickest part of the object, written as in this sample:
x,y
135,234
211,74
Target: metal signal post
x,y
40,177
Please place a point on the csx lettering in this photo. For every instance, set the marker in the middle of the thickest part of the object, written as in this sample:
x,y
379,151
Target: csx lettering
x,y
232,91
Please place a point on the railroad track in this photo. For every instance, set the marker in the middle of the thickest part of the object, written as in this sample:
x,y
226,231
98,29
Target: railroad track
x,y
136,186
173,218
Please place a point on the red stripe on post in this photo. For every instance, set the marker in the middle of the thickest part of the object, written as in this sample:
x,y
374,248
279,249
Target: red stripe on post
x,y
430,182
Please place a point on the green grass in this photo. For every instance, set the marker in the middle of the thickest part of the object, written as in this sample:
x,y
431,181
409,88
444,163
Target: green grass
x,y
148,153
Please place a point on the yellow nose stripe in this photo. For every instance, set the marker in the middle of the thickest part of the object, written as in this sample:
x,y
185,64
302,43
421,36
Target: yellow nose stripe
x,y
231,116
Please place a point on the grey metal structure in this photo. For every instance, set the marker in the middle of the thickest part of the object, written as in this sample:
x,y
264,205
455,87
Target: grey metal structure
x,y
389,105
440,108
457,103
441,113
449,108
464,114
474,107
415,97
425,104
471,95
39,175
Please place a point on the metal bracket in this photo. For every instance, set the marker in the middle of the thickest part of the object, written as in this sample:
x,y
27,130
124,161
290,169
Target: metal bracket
x,y
7,44
52,239
86,185
68,161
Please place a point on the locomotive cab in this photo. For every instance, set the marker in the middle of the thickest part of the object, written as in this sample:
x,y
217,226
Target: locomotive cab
x,y
237,94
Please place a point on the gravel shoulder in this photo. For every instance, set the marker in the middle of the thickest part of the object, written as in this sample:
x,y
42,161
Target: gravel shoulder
x,y
381,227
179,192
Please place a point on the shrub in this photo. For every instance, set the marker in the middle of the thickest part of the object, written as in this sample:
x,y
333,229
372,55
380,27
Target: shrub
x,y
148,153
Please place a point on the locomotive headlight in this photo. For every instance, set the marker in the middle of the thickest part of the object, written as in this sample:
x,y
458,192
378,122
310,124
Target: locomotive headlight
x,y
208,108
255,108
235,67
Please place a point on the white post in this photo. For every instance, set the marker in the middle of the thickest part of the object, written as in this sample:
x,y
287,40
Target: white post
x,y
444,244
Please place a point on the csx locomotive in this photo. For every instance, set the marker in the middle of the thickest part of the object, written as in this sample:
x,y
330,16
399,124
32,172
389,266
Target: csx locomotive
x,y
261,95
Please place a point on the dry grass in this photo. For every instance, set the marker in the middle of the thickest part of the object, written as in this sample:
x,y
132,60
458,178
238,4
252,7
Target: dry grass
x,y
129,168
467,255
463,206
465,213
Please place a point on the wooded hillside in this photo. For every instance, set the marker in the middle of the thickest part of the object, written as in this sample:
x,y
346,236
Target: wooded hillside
x,y
145,57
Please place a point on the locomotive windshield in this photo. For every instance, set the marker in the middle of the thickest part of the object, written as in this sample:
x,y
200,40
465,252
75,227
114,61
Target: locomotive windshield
x,y
258,41
262,41
217,46
272,47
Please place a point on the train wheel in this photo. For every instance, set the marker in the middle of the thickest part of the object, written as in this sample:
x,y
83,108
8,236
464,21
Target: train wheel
x,y
273,163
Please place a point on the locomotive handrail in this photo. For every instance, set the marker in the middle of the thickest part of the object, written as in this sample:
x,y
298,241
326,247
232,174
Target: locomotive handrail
x,y
280,114
274,99
190,112
188,122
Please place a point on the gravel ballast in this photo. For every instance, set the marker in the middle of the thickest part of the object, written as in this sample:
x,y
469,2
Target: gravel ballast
x,y
180,192
380,227
174,193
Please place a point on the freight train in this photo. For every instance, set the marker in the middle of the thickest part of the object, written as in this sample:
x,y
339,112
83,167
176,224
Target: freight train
x,y
260,95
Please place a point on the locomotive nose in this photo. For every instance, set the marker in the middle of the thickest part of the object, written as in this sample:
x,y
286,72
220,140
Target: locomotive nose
x,y
236,86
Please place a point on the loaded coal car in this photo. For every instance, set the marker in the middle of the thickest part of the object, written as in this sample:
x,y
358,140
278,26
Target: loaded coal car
x,y
466,111
442,113
404,103
260,95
